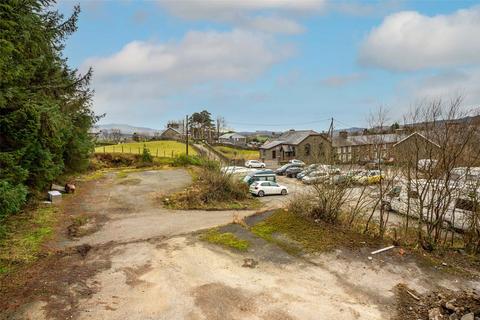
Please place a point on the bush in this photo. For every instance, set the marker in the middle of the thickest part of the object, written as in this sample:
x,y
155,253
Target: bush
x,y
146,156
212,189
12,197
184,160
324,202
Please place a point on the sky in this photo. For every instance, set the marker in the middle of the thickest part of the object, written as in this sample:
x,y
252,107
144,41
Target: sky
x,y
274,64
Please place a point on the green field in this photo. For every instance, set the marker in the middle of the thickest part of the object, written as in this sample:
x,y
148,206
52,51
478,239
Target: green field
x,y
163,148
234,153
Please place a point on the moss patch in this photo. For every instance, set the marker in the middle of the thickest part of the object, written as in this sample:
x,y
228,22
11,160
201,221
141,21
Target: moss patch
x,y
25,236
310,236
226,239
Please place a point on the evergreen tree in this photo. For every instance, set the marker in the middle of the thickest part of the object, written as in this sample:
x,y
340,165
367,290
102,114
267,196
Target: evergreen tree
x,y
45,109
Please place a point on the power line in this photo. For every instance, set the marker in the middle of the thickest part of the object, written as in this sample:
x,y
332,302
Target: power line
x,y
277,124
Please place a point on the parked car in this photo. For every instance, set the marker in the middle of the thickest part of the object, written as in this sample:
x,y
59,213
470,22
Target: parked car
x,y
315,177
368,177
307,170
459,206
295,161
293,171
254,164
281,171
237,170
264,188
260,175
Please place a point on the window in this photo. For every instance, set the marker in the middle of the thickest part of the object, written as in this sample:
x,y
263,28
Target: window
x,y
264,152
274,154
271,179
273,184
265,184
307,149
466,204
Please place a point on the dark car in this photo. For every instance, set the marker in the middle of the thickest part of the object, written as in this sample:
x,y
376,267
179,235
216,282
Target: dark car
x,y
281,171
293,171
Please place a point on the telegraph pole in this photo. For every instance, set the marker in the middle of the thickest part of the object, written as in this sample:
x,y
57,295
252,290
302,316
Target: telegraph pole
x,y
186,133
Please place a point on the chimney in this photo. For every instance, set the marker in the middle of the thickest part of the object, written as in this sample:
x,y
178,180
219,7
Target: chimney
x,y
343,134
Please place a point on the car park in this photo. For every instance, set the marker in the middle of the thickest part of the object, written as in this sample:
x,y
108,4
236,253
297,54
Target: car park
x,y
254,164
264,188
281,171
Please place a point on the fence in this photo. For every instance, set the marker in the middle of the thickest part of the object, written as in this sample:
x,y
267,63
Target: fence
x,y
156,152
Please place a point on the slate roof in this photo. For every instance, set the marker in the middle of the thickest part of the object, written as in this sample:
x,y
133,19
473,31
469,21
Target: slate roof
x,y
291,137
370,139
231,135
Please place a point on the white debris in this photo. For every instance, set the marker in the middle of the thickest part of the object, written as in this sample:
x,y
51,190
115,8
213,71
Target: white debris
x,y
54,196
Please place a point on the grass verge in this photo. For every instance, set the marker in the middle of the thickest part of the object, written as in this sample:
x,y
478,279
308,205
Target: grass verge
x,y
26,233
234,153
226,239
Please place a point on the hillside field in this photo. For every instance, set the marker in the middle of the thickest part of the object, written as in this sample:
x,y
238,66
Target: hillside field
x,y
163,148
234,153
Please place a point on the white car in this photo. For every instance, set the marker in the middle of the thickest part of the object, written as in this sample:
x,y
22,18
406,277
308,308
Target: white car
x,y
295,161
254,164
264,188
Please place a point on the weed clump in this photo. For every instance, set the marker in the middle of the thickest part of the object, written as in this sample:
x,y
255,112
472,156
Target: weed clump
x,y
226,239
214,190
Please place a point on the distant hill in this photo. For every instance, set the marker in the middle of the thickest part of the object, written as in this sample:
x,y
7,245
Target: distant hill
x,y
349,130
259,133
124,128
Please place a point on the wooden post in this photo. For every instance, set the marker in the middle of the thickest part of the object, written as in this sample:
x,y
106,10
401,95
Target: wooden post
x,y
138,150
157,152
103,149
113,149
186,134
122,148
172,153
130,149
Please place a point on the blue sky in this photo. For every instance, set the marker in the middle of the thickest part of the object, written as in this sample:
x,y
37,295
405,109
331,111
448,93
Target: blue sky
x,y
275,64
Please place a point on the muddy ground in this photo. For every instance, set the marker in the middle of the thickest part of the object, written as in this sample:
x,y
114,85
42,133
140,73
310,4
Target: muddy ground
x,y
134,259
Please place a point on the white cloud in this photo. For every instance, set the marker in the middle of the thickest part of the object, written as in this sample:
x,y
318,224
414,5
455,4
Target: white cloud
x,y
145,73
231,10
274,24
271,16
198,57
342,80
447,85
408,41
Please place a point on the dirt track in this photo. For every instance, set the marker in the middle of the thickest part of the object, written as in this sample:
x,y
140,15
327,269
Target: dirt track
x,y
147,262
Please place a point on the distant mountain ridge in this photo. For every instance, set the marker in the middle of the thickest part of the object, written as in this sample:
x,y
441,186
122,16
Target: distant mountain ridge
x,y
124,128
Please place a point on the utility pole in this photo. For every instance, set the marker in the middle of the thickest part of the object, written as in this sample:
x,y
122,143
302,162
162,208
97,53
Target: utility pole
x,y
186,133
330,130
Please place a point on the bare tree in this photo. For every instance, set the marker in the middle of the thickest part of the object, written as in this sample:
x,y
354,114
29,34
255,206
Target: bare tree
x,y
115,135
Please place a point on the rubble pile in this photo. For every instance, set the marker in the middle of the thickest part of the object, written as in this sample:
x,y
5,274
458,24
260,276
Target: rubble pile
x,y
437,305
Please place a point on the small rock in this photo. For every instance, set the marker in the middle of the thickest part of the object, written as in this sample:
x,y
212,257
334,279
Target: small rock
x,y
450,305
370,258
435,314
468,316
249,263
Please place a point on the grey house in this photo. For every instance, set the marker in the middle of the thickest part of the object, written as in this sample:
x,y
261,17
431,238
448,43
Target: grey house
x,y
233,139
306,145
